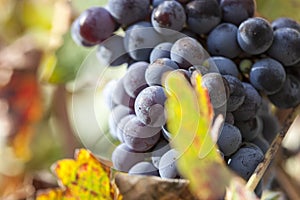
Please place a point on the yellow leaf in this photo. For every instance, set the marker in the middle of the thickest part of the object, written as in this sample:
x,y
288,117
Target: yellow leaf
x,y
189,121
82,178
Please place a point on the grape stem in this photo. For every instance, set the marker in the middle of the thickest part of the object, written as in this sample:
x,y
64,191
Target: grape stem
x,y
272,151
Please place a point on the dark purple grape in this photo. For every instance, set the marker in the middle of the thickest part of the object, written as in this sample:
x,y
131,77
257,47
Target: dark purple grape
x,y
271,126
115,116
162,50
245,160
108,95
134,79
149,106
224,65
124,158
255,35
236,93
167,164
289,95
168,15
121,125
229,118
126,12
143,168
203,15
75,34
250,128
217,89
96,25
286,46
111,52
140,39
120,96
250,106
285,22
140,137
158,151
262,143
267,75
157,69
222,41
187,52
230,139
236,11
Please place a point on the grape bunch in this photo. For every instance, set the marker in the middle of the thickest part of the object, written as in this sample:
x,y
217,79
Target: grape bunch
x,y
248,64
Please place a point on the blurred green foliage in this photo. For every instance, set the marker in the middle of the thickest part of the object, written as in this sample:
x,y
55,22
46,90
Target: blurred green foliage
x,y
272,9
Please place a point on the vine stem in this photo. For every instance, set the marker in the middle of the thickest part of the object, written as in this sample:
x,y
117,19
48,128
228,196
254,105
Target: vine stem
x,y
276,144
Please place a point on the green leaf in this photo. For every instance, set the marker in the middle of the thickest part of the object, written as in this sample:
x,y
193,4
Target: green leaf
x,y
272,9
62,66
189,121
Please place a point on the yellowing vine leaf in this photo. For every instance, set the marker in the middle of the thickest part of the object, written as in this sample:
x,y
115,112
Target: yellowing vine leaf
x,y
82,178
189,121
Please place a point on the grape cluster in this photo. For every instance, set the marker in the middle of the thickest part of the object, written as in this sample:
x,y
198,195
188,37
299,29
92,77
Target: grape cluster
x,y
242,58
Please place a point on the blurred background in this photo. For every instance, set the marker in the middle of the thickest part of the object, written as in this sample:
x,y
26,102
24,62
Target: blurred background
x,y
48,90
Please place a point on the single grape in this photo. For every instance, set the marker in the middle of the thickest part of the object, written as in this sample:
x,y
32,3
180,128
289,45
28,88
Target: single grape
x,y
157,69
162,50
121,125
236,93
264,108
111,52
140,137
149,106
217,89
96,25
108,95
168,15
224,65
77,38
250,128
140,39
222,41
187,52
167,164
143,168
250,106
289,95
120,96
245,160
271,126
124,158
262,143
285,22
203,16
236,11
126,12
255,35
229,118
286,46
134,79
267,75
158,151
115,116
230,139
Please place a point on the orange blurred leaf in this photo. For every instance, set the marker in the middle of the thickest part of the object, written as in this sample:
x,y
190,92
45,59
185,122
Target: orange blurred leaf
x,y
82,178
